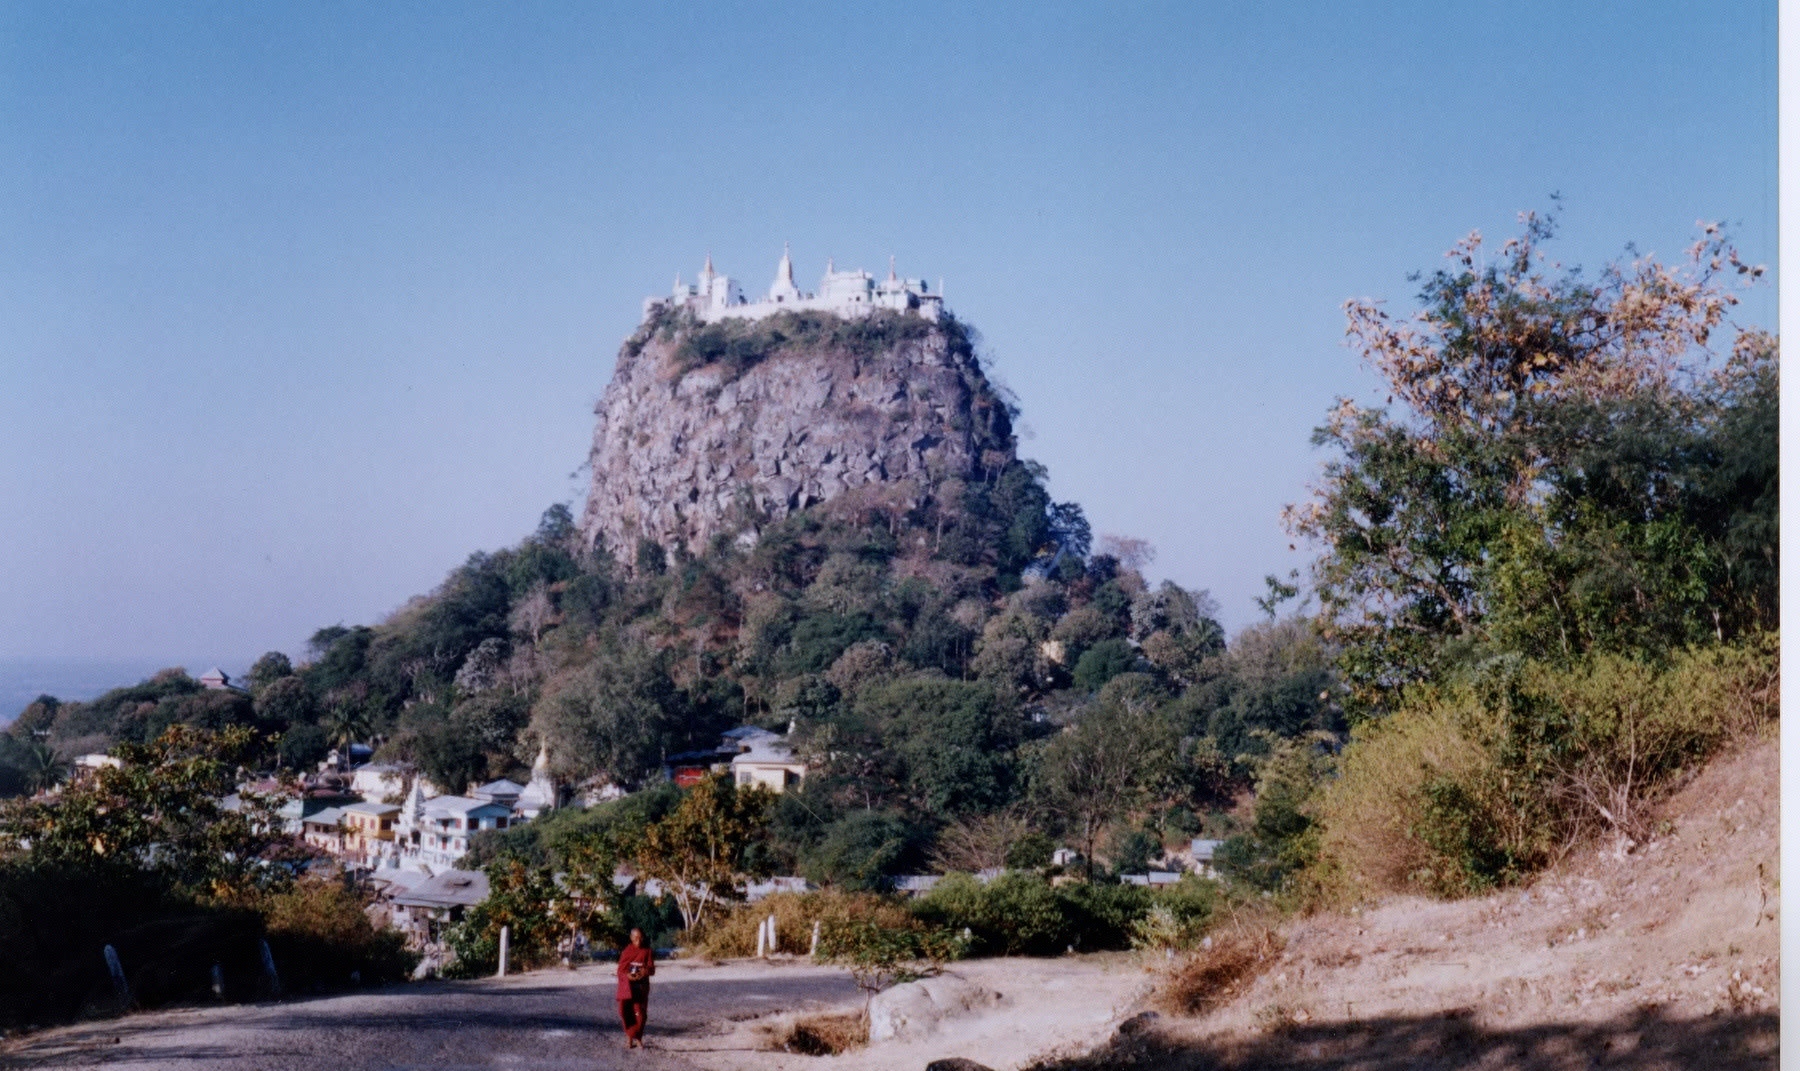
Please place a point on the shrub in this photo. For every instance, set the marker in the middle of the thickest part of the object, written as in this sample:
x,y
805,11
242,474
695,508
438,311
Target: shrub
x,y
878,955
1014,914
1282,842
1373,815
818,1034
1102,916
1482,782
321,938
1211,976
1178,916
1019,913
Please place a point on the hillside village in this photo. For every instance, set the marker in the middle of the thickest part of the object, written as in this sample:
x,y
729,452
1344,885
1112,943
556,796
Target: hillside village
x,y
386,825
408,853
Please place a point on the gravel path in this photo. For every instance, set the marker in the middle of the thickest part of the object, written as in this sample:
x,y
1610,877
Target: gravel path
x,y
544,1020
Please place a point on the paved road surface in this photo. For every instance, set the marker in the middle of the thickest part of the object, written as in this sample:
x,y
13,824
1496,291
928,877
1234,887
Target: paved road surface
x,y
534,1022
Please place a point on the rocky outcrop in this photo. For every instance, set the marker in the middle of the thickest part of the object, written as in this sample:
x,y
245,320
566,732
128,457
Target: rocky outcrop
x,y
806,410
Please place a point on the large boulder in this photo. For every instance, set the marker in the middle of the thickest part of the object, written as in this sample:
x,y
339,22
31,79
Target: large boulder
x,y
915,1009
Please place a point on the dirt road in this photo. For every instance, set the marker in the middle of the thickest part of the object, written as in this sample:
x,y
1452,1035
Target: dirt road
x,y
533,1022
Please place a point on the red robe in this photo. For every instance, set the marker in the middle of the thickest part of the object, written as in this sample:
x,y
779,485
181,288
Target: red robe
x,y
640,990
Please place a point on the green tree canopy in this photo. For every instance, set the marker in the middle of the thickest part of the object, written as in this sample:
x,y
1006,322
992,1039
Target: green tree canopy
x,y
1541,486
613,715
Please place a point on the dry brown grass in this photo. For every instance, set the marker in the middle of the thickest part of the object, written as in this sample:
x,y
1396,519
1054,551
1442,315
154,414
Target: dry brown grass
x,y
1212,976
818,1034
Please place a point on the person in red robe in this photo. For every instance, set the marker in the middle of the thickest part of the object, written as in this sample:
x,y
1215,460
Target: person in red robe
x,y
636,964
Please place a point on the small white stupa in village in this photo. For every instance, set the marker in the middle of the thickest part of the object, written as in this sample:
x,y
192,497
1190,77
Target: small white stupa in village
x,y
539,796
844,293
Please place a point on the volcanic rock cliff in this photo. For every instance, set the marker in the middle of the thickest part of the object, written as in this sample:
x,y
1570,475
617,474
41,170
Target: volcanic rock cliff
x,y
711,431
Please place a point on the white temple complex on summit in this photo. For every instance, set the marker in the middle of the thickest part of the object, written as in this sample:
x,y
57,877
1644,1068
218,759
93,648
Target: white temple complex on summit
x,y
845,293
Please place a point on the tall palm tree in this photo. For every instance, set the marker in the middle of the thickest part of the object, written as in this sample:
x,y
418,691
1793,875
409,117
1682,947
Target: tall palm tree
x,y
44,768
346,725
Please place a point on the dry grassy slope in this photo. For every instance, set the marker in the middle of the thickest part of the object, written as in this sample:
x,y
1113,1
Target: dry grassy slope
x,y
1662,957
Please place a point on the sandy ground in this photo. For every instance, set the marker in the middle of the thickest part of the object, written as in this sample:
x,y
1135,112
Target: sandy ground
x,y
1665,956
1049,1007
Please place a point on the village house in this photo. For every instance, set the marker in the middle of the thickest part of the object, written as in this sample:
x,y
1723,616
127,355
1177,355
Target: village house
x,y
383,781
768,761
1155,879
758,890
689,768
216,680
1200,856
435,833
324,830
505,791
369,832
425,908
750,755
426,832
86,765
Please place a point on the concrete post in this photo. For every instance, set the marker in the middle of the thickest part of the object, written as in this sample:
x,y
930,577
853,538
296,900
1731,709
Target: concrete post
x,y
268,962
505,946
813,952
117,970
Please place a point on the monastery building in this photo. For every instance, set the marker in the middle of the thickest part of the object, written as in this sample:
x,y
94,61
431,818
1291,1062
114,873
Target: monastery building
x,y
844,293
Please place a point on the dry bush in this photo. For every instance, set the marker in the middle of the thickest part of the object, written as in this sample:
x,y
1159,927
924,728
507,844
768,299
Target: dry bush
x,y
1371,812
1480,784
820,1034
734,934
1642,729
971,844
1222,968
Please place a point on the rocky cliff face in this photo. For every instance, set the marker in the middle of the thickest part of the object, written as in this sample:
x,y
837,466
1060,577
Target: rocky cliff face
x,y
718,430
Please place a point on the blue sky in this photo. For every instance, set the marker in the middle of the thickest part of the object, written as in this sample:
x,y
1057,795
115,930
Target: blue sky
x,y
301,303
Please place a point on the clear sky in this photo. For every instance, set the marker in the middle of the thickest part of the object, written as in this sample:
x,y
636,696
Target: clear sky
x,y
301,303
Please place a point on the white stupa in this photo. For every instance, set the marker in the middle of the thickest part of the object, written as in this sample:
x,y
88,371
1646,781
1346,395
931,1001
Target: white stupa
x,y
539,796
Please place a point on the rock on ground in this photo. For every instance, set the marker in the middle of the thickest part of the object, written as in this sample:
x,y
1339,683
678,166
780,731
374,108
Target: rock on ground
x,y
915,1009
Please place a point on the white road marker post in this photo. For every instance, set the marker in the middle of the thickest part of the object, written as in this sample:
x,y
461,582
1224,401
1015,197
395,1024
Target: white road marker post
x,y
121,988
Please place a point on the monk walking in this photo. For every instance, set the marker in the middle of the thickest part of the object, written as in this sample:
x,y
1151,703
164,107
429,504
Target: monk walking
x,y
636,964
